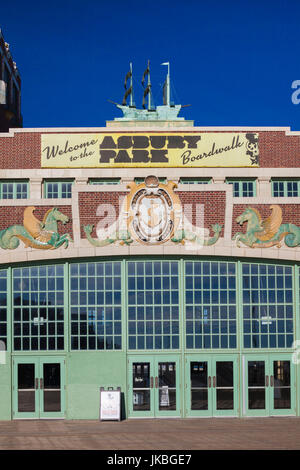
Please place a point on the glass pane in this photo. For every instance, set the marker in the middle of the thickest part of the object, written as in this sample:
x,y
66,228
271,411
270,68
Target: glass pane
x,y
26,376
198,374
167,399
256,373
256,378
52,401
26,401
224,371
26,391
52,394
282,382
225,399
167,374
256,399
141,400
141,375
51,376
167,385
224,384
281,371
199,399
199,385
141,386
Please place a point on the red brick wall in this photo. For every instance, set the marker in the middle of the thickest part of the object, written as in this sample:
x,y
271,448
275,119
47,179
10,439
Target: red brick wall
x,y
20,151
214,206
90,201
290,214
278,150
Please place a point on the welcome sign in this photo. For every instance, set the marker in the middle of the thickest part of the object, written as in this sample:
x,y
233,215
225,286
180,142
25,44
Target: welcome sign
x,y
113,150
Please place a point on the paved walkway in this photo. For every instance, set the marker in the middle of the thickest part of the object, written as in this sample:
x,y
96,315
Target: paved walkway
x,y
153,434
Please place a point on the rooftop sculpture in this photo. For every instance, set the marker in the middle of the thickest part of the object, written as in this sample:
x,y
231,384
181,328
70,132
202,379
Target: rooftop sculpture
x,y
166,112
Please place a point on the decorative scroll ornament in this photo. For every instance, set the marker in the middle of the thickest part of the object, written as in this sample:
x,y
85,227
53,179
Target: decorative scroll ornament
x,y
152,214
36,234
266,233
252,148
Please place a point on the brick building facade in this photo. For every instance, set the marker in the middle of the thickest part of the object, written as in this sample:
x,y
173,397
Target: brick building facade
x,y
198,319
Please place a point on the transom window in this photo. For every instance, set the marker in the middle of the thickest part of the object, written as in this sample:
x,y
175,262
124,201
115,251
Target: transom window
x,y
104,180
3,306
192,180
210,305
95,299
243,187
267,306
153,305
38,308
58,189
285,188
14,189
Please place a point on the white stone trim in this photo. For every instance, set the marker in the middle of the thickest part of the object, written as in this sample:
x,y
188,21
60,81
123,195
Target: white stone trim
x,y
159,128
171,173
87,250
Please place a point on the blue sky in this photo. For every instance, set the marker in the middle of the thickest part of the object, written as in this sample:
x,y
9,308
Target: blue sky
x,y
233,61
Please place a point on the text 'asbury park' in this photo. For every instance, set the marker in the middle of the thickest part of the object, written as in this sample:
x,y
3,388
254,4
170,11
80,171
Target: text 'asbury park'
x,y
138,150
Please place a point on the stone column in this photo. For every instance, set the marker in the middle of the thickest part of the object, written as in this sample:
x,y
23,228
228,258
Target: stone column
x,y
219,179
81,180
264,187
35,190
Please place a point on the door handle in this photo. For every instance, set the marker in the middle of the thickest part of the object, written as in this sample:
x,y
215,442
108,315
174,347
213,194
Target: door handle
x,y
151,382
36,384
214,382
156,382
41,384
267,380
209,382
272,381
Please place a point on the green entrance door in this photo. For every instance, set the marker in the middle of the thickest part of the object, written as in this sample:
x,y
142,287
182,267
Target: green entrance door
x,y
38,387
211,385
154,386
269,385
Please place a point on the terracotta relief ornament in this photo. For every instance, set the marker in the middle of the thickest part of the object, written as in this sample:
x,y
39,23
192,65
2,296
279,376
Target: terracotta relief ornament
x,y
266,233
151,214
42,235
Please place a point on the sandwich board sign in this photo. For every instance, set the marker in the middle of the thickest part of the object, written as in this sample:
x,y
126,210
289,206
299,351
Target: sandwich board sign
x,y
110,404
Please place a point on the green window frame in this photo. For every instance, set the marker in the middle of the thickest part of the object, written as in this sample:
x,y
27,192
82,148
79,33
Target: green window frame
x,y
54,189
104,180
160,304
192,180
38,308
244,187
210,305
267,305
153,305
96,305
285,187
14,189
3,306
